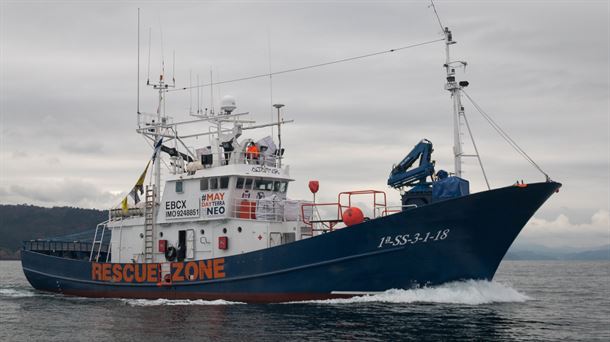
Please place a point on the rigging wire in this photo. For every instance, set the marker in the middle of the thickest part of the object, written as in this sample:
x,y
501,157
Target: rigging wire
x,y
437,17
505,135
476,150
311,66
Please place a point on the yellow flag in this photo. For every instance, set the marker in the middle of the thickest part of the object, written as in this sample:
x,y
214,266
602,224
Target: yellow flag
x,y
124,205
140,181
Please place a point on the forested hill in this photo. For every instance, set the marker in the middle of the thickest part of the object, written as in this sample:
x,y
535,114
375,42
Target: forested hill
x,y
26,222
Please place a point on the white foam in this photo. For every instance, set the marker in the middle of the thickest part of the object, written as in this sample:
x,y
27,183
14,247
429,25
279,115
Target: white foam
x,y
159,302
470,292
16,293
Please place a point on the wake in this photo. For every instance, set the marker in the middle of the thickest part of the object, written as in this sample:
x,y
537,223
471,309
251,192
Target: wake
x,y
470,292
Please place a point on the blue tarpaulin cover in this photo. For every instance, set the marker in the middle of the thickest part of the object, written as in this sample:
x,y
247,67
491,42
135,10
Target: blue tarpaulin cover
x,y
450,187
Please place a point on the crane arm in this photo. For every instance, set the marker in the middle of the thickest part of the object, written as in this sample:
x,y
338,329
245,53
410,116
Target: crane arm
x,y
404,174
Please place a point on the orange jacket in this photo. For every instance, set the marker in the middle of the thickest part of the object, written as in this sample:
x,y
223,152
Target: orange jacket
x,y
252,152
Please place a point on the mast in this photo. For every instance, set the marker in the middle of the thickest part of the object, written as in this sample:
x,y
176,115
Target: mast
x,y
455,89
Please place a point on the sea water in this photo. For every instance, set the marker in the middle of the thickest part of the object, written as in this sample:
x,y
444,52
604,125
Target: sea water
x,y
527,300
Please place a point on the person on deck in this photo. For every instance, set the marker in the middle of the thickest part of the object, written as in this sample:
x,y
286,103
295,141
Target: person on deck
x,y
252,153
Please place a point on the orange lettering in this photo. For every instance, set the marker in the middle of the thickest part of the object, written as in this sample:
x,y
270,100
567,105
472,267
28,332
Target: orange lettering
x,y
128,277
117,274
96,270
219,268
190,270
177,276
105,272
140,273
151,274
205,269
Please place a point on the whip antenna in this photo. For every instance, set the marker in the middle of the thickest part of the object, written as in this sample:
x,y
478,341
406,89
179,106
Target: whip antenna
x,y
138,81
149,44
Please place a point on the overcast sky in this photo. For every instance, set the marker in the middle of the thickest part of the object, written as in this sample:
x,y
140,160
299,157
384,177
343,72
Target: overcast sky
x,y
540,68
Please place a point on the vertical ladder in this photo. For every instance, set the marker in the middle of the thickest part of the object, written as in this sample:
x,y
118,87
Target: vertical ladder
x,y
98,242
149,213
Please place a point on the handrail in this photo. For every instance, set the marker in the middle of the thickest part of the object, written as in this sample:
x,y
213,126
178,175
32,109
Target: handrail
x,y
376,204
387,211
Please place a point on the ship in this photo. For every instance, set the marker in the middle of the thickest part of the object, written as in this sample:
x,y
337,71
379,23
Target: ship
x,y
223,227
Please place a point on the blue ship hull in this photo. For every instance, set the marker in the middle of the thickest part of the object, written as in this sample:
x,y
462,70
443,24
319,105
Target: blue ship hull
x,y
456,239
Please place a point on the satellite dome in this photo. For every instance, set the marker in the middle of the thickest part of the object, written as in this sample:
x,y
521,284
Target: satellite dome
x,y
227,104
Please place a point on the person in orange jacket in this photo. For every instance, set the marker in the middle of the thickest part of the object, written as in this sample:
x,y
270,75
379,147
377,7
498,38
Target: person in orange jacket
x,y
252,152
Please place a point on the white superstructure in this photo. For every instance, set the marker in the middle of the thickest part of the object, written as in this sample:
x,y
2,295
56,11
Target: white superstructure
x,y
220,198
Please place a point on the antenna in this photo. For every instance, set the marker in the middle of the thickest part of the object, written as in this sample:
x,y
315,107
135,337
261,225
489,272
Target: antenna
x,y
174,68
191,92
162,50
149,44
198,101
138,81
270,76
211,93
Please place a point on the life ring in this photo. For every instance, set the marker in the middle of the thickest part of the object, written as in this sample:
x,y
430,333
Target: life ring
x,y
170,253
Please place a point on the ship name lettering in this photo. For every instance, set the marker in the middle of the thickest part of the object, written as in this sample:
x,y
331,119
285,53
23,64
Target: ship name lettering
x,y
142,273
412,239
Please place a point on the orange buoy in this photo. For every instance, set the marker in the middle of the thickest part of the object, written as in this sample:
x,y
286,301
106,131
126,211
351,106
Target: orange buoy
x,y
352,216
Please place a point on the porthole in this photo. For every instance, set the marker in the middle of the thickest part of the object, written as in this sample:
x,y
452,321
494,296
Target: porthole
x,y
239,229
224,230
141,235
202,232
160,234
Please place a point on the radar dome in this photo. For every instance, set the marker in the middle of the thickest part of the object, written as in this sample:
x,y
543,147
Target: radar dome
x,y
227,104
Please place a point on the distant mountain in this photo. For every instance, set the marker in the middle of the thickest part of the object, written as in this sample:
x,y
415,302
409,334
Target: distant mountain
x,y
27,222
537,252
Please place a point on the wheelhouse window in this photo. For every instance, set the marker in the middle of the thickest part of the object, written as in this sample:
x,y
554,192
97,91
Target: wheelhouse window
x,y
179,189
224,182
263,184
203,185
248,185
240,183
213,183
280,186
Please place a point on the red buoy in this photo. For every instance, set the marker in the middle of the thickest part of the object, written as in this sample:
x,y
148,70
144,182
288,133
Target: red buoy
x,y
314,186
352,216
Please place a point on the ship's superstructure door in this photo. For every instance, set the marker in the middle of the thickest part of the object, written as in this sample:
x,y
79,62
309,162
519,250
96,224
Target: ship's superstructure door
x,y
190,244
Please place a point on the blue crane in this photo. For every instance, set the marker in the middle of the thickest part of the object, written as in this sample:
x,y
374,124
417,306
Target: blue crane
x,y
407,174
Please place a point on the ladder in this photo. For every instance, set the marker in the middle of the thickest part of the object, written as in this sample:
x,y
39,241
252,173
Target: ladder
x,y
100,229
149,213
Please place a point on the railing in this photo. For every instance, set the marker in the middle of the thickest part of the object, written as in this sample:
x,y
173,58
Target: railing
x,y
326,223
344,201
117,213
378,204
61,246
393,209
268,209
264,159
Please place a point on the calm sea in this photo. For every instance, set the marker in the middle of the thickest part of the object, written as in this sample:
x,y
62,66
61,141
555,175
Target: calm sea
x,y
527,301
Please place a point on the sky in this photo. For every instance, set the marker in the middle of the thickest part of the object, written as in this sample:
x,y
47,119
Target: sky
x,y
68,80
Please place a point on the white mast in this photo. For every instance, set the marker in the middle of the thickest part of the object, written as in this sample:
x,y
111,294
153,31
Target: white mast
x,y
458,110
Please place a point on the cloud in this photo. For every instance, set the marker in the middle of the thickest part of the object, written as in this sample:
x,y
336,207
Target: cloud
x,y
72,192
82,147
562,232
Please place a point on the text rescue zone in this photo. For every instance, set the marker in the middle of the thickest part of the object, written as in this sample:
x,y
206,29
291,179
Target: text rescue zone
x,y
141,273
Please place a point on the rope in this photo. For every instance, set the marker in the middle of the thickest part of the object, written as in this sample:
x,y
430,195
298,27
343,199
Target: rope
x,y
349,59
505,135
437,17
